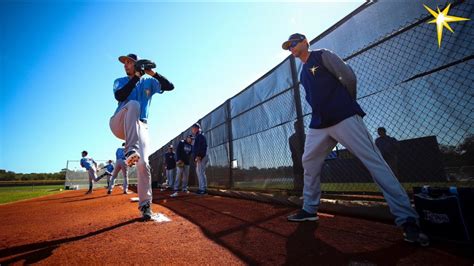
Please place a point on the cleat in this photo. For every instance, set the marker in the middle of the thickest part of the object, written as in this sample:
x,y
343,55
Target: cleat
x,y
302,216
132,158
412,233
146,212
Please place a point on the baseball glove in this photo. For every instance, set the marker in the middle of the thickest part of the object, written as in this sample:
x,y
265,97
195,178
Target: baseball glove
x,y
144,64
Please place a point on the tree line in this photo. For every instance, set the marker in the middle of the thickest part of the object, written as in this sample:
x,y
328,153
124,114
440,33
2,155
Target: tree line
x,y
12,176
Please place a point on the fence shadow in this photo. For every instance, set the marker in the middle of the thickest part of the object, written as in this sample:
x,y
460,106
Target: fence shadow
x,y
258,233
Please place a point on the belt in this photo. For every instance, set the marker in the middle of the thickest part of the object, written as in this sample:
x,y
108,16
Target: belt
x,y
143,120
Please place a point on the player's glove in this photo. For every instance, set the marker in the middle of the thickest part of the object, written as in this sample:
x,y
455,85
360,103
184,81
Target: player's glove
x,y
144,64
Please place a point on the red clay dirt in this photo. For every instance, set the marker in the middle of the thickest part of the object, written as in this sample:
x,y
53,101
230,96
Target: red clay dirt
x,y
73,228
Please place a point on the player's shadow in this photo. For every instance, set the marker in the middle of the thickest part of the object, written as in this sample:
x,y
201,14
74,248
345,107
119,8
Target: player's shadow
x,y
93,198
63,198
35,252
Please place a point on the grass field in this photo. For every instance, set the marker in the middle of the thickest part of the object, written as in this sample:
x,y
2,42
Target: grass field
x,y
10,194
344,187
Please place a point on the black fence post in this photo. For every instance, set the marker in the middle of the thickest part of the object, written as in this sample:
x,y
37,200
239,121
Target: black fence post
x,y
299,126
231,146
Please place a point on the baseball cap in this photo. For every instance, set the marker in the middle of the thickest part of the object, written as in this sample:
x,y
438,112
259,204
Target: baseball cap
x,y
197,125
132,57
293,37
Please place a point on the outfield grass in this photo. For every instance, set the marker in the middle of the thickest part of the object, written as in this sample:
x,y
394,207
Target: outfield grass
x,y
345,187
11,194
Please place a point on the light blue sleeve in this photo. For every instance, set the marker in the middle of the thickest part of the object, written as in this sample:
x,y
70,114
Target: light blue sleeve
x,y
119,83
152,84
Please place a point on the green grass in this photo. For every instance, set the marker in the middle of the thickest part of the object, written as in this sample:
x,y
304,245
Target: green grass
x,y
11,194
345,187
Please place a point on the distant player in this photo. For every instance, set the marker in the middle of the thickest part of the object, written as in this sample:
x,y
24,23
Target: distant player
x,y
119,166
183,155
109,168
200,157
91,167
130,120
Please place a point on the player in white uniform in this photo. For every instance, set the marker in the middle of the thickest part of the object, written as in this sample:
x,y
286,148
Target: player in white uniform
x,y
91,167
119,166
130,121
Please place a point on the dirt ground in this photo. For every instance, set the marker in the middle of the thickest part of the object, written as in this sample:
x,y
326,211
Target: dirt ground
x,y
73,228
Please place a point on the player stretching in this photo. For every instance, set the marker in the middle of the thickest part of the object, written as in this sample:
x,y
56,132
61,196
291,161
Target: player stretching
x,y
91,167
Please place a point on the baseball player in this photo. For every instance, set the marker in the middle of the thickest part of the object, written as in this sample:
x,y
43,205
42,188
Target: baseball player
x,y
199,153
109,168
130,120
183,154
119,166
91,167
170,164
330,87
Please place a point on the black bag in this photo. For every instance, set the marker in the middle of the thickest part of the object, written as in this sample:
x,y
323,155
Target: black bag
x,y
445,213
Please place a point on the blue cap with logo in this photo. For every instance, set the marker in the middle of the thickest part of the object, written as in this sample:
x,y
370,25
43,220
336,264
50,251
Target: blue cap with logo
x,y
296,37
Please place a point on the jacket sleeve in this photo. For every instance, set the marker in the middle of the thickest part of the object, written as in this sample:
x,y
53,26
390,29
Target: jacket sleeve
x,y
342,71
122,93
180,152
202,148
164,82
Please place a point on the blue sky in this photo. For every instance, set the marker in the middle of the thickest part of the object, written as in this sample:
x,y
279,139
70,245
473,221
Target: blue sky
x,y
59,60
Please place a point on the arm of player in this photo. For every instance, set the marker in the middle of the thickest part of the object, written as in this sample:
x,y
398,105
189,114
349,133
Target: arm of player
x,y
165,84
341,71
121,93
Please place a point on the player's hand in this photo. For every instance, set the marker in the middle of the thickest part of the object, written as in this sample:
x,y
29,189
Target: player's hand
x,y
198,159
150,72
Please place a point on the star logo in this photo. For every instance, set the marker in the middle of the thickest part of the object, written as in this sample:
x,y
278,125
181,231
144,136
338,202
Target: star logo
x,y
313,69
442,19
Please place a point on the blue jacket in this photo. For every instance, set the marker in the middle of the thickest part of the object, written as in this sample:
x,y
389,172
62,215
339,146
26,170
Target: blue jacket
x,y
120,154
142,93
183,152
87,162
109,168
200,146
329,99
170,160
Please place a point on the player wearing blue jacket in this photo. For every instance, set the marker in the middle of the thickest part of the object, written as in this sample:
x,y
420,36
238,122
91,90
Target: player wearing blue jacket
x,y
109,168
183,155
91,167
199,154
129,122
330,86
119,166
170,165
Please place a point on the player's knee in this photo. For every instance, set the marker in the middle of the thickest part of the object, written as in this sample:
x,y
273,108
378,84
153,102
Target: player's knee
x,y
305,159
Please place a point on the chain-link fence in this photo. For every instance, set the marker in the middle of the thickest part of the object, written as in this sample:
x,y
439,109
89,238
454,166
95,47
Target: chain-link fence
x,y
420,93
78,178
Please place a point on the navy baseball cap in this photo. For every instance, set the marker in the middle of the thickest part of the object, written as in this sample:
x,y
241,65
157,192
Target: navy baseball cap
x,y
293,37
197,125
132,57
